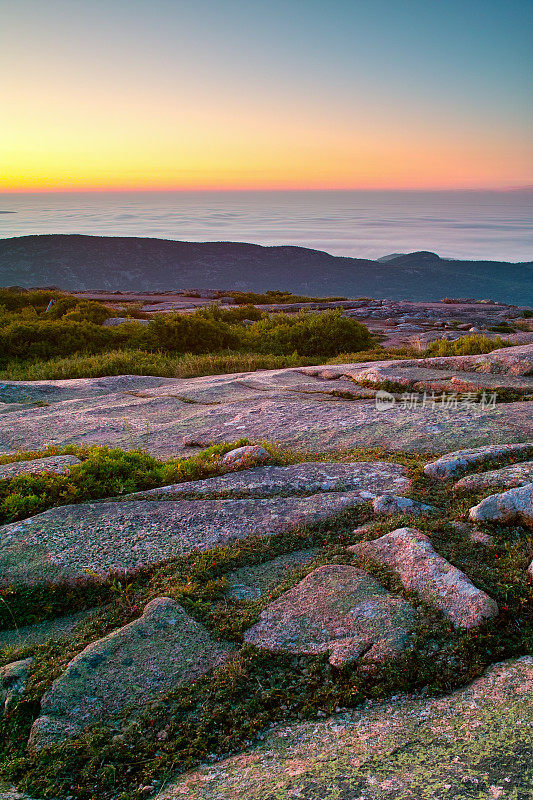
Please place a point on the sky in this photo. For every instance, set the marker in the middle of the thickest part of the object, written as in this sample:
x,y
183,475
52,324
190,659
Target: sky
x,y
265,94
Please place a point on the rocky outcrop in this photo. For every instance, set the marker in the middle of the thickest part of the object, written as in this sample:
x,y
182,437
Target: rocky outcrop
x,y
112,322
410,554
504,361
55,465
388,504
368,478
86,541
474,742
501,370
513,506
504,478
293,407
246,457
50,631
339,610
126,670
13,679
452,465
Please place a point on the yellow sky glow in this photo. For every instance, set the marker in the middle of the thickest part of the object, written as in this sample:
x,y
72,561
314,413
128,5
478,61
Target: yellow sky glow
x,y
87,140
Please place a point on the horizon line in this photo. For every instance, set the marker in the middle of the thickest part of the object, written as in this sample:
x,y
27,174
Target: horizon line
x,y
243,190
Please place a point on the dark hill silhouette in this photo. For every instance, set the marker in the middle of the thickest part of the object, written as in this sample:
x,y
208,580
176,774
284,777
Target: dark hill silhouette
x,y
76,262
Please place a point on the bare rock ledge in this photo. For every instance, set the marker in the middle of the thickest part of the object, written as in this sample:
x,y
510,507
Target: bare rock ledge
x,y
408,748
504,478
128,668
369,478
453,465
77,542
339,610
410,554
56,465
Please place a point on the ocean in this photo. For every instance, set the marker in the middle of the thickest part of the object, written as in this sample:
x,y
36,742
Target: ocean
x,y
362,224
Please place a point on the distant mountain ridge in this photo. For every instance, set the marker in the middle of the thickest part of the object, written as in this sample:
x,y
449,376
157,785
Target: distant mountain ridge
x,y
76,262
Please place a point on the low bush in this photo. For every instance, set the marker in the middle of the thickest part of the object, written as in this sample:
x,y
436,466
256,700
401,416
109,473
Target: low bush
x,y
45,339
74,310
104,472
276,296
231,315
142,362
465,346
325,334
15,299
187,333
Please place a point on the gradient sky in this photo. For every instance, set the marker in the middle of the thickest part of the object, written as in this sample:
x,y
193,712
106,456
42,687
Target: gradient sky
x,y
265,94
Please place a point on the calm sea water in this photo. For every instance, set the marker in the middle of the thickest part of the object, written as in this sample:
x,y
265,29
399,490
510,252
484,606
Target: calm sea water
x,y
470,225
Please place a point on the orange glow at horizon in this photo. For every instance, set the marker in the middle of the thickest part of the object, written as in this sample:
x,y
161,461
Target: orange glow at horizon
x,y
163,95
217,153
101,142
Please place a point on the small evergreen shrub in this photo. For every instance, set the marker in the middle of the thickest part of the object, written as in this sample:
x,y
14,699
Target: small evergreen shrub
x,y
325,334
465,346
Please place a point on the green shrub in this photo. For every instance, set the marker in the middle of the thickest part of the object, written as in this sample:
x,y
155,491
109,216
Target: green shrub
x,y
231,315
70,308
187,333
465,346
276,296
325,334
46,339
16,299
104,472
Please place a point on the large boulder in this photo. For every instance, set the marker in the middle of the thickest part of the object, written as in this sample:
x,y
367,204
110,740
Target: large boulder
x,y
473,743
410,554
246,457
338,610
126,670
512,506
81,542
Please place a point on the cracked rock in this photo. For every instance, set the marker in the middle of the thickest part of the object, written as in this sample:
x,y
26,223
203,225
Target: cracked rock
x,y
339,610
369,478
410,554
94,540
504,478
458,463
